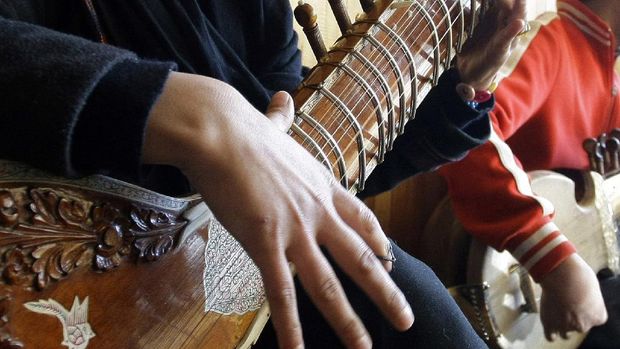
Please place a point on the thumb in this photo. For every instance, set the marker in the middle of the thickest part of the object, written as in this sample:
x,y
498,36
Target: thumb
x,y
280,110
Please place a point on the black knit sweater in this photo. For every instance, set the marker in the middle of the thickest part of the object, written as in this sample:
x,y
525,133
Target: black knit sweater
x,y
75,106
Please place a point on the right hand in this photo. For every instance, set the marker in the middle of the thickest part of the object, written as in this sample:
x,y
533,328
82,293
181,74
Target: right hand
x,y
488,49
571,299
278,201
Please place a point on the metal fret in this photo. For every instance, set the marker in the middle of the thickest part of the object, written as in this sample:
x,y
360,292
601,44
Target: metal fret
x,y
461,36
435,32
448,35
375,100
399,79
388,93
306,138
473,4
412,71
361,151
436,53
342,167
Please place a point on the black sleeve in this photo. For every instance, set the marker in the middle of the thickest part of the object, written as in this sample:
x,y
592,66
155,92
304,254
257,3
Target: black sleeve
x,y
444,130
71,105
277,63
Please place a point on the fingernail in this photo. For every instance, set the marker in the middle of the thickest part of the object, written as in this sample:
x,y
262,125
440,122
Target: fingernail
x,y
286,97
407,317
409,314
387,266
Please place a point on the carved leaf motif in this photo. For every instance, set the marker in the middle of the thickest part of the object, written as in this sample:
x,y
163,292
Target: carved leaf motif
x,y
107,263
73,212
60,232
17,268
55,261
8,209
153,248
154,233
44,207
111,241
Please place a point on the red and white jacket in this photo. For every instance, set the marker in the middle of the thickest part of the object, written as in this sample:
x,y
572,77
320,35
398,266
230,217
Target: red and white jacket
x,y
560,88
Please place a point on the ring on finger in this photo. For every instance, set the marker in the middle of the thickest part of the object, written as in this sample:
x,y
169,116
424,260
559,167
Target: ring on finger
x,y
389,257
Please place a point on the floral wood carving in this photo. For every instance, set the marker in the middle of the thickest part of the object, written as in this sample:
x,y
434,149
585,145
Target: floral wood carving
x,y
47,233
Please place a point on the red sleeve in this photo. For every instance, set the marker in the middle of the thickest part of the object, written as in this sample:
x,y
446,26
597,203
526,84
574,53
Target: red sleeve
x,y
491,193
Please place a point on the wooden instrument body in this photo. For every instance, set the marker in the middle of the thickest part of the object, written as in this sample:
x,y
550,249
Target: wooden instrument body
x,y
91,267
496,294
125,249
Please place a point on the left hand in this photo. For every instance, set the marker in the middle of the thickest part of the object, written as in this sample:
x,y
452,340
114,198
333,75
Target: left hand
x,y
488,49
571,299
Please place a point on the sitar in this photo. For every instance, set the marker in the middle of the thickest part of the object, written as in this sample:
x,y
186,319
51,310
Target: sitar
x,y
494,291
99,263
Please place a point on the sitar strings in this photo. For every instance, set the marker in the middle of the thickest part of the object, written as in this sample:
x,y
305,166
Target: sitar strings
x,y
345,99
447,32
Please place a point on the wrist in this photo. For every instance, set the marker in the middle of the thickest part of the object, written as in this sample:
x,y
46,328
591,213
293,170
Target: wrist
x,y
182,124
562,272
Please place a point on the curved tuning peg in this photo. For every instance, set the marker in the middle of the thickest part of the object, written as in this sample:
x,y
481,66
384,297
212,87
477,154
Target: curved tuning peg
x,y
612,150
304,14
342,16
367,5
595,155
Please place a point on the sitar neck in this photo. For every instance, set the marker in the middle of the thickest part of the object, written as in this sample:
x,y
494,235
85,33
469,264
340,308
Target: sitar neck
x,y
356,101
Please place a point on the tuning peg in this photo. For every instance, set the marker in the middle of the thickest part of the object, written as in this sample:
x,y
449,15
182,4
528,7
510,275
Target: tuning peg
x,y
342,16
612,148
367,5
304,14
593,148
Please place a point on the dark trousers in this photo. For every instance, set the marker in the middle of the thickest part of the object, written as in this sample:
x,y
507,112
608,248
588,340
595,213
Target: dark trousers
x,y
439,323
607,335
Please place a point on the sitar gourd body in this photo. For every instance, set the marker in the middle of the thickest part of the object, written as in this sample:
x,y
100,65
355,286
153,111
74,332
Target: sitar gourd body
x,y
97,263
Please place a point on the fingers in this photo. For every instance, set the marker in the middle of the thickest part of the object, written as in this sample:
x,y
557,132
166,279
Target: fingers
x,y
322,285
281,110
362,220
280,291
519,10
515,23
360,263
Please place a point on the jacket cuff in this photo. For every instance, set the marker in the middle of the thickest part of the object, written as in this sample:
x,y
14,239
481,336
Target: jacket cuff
x,y
109,134
551,260
457,111
444,130
542,251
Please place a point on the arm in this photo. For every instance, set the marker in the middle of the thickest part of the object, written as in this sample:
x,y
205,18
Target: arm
x,y
51,83
289,205
279,65
492,198
51,98
445,127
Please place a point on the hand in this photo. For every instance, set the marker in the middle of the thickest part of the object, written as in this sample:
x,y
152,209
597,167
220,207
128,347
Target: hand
x,y
278,201
484,54
571,299
281,111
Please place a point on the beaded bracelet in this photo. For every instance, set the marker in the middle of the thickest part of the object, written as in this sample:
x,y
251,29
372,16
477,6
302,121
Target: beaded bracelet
x,y
472,97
